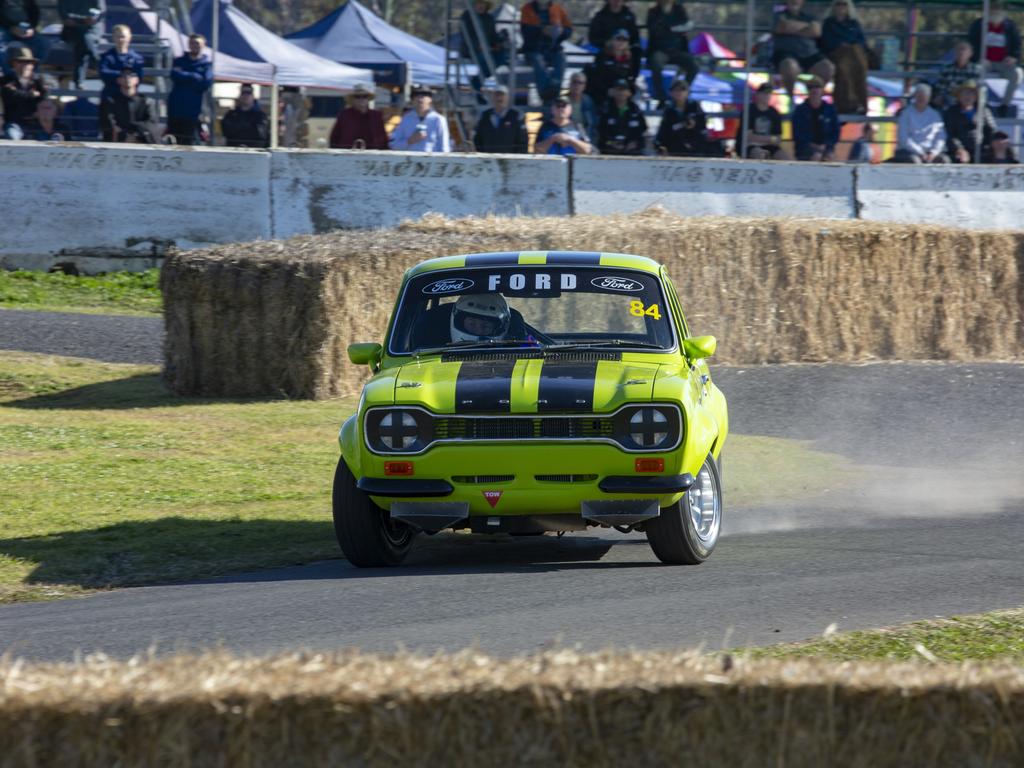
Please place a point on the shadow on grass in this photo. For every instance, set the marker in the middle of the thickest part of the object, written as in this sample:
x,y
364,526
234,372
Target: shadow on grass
x,y
144,390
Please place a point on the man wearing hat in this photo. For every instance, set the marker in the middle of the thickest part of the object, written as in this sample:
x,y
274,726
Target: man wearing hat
x,y
500,129
559,135
621,128
422,129
357,126
246,125
961,119
684,126
20,93
1000,152
128,116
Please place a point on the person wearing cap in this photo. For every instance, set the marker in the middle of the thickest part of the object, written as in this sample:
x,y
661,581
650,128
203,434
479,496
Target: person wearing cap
x,y
559,135
959,70
82,30
584,113
1002,50
999,151
500,129
489,39
20,93
191,78
815,125
684,126
612,17
843,41
357,126
545,25
117,59
421,129
961,121
795,36
667,25
19,22
616,62
764,127
920,130
621,128
128,116
246,125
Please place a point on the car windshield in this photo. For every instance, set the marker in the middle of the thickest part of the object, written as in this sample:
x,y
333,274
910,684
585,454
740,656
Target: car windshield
x,y
531,306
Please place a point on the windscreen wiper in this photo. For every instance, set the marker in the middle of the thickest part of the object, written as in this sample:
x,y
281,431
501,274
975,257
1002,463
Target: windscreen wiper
x,y
461,346
607,343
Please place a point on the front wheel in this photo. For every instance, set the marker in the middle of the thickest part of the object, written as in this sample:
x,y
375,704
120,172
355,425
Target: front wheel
x,y
686,532
367,535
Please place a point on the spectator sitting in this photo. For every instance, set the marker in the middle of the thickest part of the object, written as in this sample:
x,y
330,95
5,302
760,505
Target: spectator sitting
x,y
815,125
20,92
612,17
46,125
1002,50
764,129
584,113
82,30
421,128
842,40
500,129
616,62
920,131
559,135
357,126
621,128
19,20
862,151
961,69
545,26
667,25
247,125
496,43
999,151
191,78
117,60
962,124
683,130
128,116
795,46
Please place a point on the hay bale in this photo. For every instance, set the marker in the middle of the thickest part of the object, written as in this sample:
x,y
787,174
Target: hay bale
x,y
275,318
559,708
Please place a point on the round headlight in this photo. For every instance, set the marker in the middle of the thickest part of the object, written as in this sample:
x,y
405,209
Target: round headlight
x,y
398,431
648,427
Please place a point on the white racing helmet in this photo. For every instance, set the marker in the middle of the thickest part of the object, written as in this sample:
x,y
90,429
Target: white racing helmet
x,y
480,316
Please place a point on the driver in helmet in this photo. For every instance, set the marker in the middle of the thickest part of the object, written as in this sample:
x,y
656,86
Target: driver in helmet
x,y
480,317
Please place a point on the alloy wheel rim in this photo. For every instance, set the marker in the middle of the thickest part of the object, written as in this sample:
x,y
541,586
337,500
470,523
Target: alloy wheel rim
x,y
704,505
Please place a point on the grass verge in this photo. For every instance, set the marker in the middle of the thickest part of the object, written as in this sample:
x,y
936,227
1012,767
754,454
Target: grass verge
x,y
124,293
984,636
111,481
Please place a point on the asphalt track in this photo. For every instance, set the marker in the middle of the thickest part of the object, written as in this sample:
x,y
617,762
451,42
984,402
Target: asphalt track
x,y
934,528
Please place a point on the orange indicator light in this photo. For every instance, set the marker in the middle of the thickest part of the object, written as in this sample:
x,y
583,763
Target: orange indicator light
x,y
398,468
650,465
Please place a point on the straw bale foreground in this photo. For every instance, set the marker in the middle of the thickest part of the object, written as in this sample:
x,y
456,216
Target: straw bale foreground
x,y
559,708
275,317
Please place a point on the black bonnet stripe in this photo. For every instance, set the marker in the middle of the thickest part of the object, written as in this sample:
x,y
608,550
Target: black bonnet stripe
x,y
566,387
484,387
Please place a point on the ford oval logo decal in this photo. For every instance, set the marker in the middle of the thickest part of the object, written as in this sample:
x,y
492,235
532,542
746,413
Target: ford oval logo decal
x,y
617,284
451,285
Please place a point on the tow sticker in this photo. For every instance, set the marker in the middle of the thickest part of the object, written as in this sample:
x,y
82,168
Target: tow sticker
x,y
493,497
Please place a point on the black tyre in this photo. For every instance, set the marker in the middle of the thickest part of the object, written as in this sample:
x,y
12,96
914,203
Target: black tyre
x,y
686,533
366,533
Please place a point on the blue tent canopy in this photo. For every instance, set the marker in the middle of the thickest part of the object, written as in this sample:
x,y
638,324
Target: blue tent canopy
x,y
355,36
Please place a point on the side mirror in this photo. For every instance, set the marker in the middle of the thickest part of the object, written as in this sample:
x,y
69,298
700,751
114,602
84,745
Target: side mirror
x,y
366,353
699,347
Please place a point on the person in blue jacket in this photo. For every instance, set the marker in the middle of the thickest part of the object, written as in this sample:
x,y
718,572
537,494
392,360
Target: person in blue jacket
x,y
117,60
191,78
815,125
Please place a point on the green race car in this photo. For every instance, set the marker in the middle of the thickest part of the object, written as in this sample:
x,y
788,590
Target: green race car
x,y
528,392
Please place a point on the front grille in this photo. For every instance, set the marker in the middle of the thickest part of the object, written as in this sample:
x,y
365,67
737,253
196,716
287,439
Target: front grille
x,y
565,478
486,479
541,428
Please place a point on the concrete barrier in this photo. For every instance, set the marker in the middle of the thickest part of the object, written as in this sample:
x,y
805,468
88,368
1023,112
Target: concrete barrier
x,y
94,200
317,191
605,185
974,197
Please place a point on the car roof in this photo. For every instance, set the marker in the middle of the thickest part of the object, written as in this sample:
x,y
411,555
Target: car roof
x,y
522,258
